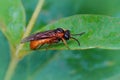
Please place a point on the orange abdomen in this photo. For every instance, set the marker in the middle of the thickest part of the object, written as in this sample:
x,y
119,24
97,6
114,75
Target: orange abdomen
x,y
35,44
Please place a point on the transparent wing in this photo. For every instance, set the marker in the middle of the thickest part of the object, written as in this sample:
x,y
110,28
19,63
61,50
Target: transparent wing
x,y
40,35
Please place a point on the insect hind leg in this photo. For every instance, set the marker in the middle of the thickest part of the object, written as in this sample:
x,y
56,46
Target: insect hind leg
x,y
40,46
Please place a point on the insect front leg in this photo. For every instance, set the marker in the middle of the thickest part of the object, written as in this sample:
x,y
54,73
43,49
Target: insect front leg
x,y
64,41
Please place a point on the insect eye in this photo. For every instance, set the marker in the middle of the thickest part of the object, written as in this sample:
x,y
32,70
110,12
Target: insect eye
x,y
59,30
67,35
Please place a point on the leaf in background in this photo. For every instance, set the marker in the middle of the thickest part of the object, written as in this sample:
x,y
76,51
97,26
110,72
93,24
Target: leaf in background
x,y
56,9
104,7
12,21
100,31
4,56
52,10
95,64
32,64
12,26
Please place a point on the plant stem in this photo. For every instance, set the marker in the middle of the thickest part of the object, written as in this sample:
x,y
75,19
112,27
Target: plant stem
x,y
15,59
31,23
34,18
11,68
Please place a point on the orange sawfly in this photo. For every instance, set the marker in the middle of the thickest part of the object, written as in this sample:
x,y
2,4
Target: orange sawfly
x,y
49,37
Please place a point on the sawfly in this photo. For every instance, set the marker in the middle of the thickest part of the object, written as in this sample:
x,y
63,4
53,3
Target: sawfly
x,y
49,37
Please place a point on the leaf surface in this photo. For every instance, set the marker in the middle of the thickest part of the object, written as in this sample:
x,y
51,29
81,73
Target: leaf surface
x,y
100,31
12,21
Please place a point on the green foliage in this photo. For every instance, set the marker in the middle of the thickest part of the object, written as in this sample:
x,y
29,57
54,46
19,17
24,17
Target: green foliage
x,y
100,31
93,64
12,21
4,56
79,63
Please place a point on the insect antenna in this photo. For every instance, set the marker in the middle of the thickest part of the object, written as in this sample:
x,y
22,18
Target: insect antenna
x,y
76,40
78,34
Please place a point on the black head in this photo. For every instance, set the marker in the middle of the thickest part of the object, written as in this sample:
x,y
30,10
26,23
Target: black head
x,y
67,35
60,30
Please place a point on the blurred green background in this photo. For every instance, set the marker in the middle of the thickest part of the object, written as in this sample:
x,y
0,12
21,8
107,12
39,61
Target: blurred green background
x,y
56,9
91,64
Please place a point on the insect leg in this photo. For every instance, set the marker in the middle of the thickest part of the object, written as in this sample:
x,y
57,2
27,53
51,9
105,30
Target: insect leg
x,y
48,46
40,46
76,40
65,43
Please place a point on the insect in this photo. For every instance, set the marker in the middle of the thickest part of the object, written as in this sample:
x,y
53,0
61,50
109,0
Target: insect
x,y
49,37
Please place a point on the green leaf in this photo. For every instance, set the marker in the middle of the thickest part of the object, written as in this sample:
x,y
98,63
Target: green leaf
x,y
97,64
12,21
4,56
32,64
100,31
106,7
93,64
50,65
56,9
